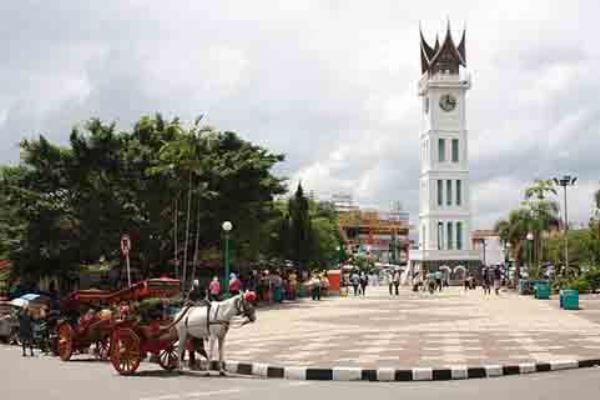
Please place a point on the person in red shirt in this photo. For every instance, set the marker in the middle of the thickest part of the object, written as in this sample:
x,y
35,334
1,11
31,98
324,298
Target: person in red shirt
x,y
235,285
214,289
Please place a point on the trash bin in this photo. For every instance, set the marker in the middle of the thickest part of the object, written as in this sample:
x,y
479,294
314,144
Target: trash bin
x,y
524,287
569,299
542,290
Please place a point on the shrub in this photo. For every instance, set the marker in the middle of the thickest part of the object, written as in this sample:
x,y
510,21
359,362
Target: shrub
x,y
579,284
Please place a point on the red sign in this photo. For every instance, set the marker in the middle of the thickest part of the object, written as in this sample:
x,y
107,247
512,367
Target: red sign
x,y
125,244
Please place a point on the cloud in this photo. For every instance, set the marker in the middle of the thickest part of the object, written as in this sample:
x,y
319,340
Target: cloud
x,y
331,84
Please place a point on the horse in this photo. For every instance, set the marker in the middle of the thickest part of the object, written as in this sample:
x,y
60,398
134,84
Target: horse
x,y
212,322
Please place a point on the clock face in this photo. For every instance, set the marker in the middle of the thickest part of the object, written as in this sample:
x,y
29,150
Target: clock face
x,y
447,102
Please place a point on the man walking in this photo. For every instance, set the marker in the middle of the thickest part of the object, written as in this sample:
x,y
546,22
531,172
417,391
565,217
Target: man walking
x,y
26,330
355,279
438,280
395,281
364,282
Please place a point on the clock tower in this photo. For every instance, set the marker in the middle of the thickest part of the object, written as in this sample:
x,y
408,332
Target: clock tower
x,y
444,201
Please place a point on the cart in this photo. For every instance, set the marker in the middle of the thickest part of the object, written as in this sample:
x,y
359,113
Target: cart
x,y
133,340
78,331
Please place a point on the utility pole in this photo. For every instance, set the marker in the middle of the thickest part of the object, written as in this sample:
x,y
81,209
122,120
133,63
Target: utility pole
x,y
564,181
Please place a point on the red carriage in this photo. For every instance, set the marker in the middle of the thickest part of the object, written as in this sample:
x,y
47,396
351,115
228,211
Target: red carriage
x,y
79,331
132,340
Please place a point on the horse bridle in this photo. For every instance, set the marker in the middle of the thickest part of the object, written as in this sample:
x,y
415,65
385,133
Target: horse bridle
x,y
243,307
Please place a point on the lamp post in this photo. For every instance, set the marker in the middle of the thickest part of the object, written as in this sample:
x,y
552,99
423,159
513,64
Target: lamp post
x,y
227,227
564,181
529,241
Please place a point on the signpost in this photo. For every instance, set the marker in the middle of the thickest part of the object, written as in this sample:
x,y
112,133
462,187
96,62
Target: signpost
x,y
125,248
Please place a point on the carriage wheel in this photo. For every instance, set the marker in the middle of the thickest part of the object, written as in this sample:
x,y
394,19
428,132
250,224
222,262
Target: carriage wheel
x,y
125,354
65,341
103,348
167,358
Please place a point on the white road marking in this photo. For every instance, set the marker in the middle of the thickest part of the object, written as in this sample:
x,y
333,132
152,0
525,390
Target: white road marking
x,y
192,394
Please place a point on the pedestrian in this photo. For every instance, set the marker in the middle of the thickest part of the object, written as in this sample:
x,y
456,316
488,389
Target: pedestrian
x,y
430,277
315,286
214,289
355,279
293,284
486,280
364,282
26,330
235,285
277,284
497,279
396,281
388,277
438,280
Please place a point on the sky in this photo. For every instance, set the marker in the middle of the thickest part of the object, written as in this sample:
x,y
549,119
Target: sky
x,y
332,84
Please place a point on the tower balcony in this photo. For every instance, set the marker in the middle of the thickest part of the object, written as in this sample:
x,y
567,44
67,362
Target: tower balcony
x,y
444,79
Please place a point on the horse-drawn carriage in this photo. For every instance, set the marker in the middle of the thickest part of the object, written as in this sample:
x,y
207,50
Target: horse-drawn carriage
x,y
133,338
83,326
93,316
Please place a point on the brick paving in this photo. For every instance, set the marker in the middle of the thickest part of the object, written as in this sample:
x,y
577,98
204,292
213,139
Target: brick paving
x,y
418,329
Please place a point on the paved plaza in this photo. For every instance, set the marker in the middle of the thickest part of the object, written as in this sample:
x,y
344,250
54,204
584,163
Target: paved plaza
x,y
418,329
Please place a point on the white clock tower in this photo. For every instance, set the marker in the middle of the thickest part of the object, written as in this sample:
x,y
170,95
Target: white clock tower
x,y
444,209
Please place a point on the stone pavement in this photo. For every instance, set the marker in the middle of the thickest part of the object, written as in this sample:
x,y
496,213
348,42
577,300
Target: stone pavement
x,y
418,330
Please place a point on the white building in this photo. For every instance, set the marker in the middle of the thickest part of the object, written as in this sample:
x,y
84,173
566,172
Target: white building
x,y
444,209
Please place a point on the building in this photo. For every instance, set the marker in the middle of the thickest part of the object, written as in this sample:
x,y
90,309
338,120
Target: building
x,y
489,246
444,203
382,235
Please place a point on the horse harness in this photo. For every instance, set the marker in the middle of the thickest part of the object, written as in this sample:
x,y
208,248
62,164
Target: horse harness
x,y
215,321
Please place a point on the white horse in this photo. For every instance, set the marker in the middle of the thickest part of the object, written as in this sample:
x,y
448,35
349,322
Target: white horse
x,y
212,322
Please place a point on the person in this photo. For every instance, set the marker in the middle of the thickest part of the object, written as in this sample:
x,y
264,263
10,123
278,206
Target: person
x,y
486,280
438,280
497,279
355,279
277,284
235,285
324,283
364,282
431,282
315,285
214,289
293,284
26,331
468,279
395,281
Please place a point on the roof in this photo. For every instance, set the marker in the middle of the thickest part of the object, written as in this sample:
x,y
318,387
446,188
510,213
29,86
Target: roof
x,y
448,56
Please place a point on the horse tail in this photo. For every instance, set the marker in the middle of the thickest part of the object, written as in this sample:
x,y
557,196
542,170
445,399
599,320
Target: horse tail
x,y
181,315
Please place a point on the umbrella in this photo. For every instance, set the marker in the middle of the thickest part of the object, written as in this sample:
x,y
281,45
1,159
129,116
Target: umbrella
x,y
20,302
29,296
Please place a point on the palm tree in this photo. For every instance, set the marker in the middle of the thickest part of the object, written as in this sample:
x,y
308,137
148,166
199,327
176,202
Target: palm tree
x,y
513,230
544,213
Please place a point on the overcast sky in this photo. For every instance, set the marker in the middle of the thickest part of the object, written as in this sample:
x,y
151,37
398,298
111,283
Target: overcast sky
x,y
332,84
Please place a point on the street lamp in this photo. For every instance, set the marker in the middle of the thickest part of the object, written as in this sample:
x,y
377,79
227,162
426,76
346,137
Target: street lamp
x,y
564,181
227,227
529,238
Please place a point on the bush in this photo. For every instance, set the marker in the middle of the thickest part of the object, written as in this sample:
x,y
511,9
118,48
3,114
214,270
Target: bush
x,y
579,284
593,278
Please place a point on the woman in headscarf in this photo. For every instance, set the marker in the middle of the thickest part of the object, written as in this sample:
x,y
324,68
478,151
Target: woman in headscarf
x,y
235,285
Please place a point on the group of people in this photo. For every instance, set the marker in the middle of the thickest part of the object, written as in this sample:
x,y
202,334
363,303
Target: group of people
x,y
491,276
269,286
357,280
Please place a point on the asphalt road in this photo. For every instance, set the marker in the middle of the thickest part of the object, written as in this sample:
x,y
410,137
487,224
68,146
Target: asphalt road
x,y
46,378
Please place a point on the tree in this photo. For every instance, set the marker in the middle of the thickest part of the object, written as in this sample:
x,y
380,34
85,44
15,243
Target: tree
x,y
300,236
74,202
513,230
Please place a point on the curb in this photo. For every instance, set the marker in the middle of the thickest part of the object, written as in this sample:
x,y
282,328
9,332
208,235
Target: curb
x,y
401,375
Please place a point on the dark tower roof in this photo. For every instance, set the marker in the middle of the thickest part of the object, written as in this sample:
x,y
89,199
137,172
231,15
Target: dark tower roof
x,y
447,57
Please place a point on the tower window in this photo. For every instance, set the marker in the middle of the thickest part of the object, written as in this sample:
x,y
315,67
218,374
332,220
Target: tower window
x,y
454,150
459,235
449,230
440,192
441,150
440,235
448,192
458,192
